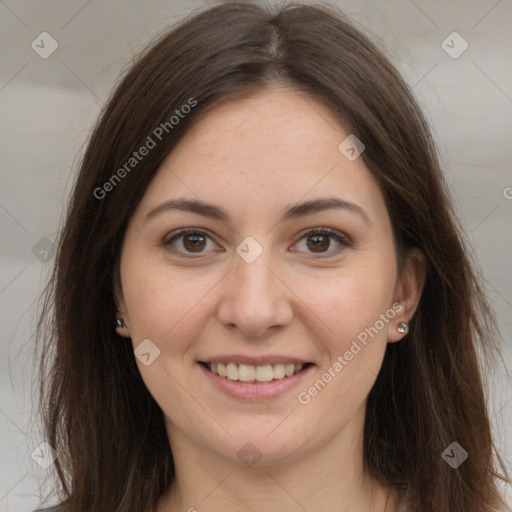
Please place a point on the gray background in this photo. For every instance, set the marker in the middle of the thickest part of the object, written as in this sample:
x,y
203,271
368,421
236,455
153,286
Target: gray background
x,y
48,107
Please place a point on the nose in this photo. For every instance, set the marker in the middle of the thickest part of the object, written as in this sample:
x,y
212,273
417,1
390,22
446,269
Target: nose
x,y
254,298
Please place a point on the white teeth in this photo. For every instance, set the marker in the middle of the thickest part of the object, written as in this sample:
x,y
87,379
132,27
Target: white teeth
x,y
289,369
232,371
250,373
279,371
246,373
221,370
264,373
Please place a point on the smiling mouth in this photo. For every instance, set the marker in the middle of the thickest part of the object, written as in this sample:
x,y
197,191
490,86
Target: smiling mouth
x,y
250,373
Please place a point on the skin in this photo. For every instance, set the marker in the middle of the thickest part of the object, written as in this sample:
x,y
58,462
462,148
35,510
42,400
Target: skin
x,y
256,157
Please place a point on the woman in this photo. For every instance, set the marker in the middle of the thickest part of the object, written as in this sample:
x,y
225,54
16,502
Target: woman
x,y
261,212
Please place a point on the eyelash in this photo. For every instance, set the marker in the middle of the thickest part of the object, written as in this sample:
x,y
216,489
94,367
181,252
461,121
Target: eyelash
x,y
336,235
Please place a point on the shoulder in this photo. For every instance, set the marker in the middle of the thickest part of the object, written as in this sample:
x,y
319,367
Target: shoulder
x,y
507,499
506,506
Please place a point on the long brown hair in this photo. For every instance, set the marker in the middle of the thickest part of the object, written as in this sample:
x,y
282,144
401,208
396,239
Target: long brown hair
x,y
109,433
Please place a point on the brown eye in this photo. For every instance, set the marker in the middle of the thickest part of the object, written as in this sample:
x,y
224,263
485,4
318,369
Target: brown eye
x,y
194,243
324,242
188,242
318,243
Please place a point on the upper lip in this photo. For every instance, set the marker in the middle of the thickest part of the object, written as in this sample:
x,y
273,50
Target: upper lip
x,y
255,360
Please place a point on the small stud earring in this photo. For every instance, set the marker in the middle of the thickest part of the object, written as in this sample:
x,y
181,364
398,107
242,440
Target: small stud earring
x,y
120,323
402,328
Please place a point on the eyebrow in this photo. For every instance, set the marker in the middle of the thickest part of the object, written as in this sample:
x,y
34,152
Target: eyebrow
x,y
214,212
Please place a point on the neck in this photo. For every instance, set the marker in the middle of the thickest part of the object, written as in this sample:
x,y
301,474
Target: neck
x,y
330,477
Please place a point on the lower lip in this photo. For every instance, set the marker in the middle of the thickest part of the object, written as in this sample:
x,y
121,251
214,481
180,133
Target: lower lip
x,y
255,391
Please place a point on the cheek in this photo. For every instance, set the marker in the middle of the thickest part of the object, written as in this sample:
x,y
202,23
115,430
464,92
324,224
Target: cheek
x,y
347,301
355,309
169,314
166,307
352,341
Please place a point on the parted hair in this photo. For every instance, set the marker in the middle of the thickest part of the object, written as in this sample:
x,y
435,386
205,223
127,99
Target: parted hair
x,y
108,431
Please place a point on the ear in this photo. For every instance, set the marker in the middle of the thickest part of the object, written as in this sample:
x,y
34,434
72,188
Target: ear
x,y
122,313
408,290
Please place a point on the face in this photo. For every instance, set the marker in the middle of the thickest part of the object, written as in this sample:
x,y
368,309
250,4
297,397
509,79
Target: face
x,y
287,260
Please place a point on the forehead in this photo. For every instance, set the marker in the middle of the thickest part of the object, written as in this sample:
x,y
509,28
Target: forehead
x,y
260,153
274,118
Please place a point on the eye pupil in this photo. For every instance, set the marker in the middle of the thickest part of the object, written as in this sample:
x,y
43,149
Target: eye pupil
x,y
194,242
318,242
